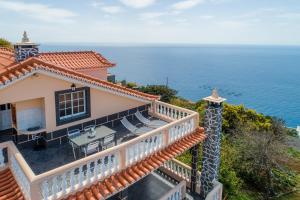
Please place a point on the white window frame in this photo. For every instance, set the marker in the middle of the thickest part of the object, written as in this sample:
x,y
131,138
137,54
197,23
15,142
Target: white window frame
x,y
72,106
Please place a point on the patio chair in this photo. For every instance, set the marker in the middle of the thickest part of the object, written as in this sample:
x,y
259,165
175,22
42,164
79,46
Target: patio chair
x,y
71,134
108,141
91,148
88,128
133,129
150,123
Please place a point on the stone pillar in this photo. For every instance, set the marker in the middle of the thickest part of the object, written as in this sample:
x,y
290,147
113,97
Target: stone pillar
x,y
195,157
211,146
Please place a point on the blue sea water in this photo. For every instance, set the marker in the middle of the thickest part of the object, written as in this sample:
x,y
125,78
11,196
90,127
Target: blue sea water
x,y
265,78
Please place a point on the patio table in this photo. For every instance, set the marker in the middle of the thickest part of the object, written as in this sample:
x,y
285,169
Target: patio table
x,y
83,139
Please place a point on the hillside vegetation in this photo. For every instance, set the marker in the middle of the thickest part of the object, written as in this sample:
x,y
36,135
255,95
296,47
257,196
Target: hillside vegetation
x,y
256,160
5,43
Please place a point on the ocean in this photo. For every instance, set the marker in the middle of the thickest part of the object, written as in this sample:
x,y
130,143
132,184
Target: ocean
x,y
264,78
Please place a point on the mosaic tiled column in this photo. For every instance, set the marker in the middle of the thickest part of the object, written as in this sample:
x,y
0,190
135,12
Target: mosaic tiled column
x,y
212,143
195,157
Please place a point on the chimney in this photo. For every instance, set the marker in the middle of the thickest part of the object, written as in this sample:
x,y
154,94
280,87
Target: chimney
x,y
25,49
212,143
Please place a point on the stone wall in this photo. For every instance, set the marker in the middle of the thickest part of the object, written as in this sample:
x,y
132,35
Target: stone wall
x,y
211,147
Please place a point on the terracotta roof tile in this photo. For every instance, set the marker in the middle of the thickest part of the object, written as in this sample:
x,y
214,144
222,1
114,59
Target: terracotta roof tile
x,y
76,60
9,189
23,68
7,58
119,181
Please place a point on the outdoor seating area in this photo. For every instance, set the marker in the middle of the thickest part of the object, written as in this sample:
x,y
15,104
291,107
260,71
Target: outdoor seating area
x,y
90,140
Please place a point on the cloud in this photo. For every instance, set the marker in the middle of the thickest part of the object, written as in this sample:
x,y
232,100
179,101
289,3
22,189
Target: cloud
x,y
111,9
152,15
138,3
39,11
187,4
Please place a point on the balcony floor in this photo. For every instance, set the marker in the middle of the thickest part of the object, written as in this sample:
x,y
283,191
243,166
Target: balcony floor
x,y
52,157
152,187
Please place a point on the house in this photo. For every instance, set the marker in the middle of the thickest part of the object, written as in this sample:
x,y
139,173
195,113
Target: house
x,y
45,98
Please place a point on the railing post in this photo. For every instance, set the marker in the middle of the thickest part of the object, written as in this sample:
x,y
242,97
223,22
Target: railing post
x,y
35,191
122,159
165,137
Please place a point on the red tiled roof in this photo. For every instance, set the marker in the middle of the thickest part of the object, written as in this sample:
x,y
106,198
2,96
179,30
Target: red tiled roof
x,y
121,180
76,60
9,188
16,71
7,58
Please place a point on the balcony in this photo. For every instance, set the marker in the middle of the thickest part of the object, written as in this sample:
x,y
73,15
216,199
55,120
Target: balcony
x,y
61,179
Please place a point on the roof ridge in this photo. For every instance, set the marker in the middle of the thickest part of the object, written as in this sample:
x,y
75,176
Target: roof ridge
x,y
65,52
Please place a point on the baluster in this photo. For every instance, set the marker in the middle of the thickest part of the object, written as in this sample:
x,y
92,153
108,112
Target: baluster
x,y
96,170
109,164
116,162
88,172
136,148
54,186
72,182
45,190
80,176
102,167
64,183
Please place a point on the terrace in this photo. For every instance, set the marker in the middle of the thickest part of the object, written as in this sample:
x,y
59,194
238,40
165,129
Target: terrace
x,y
42,159
53,173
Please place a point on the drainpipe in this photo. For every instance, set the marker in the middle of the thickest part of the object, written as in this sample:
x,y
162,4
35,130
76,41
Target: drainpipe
x,y
212,143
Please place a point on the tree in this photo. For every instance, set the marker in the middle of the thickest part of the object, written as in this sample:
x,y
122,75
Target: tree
x,y
5,43
166,93
261,160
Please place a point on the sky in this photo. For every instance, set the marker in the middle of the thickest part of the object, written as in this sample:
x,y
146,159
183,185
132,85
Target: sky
x,y
270,22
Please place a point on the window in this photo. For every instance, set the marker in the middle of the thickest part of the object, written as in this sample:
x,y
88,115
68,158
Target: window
x,y
72,105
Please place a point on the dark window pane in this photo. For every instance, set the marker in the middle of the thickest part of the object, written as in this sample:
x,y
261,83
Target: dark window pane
x,y
75,95
61,105
2,107
68,104
81,109
80,94
81,102
68,96
68,111
61,97
62,113
8,106
75,110
75,103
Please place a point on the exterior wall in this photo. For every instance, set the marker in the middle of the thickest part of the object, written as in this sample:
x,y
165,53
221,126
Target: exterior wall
x,y
98,73
42,86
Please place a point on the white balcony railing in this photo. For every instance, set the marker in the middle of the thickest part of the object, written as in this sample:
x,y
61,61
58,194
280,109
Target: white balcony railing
x,y
19,167
177,193
67,179
180,170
